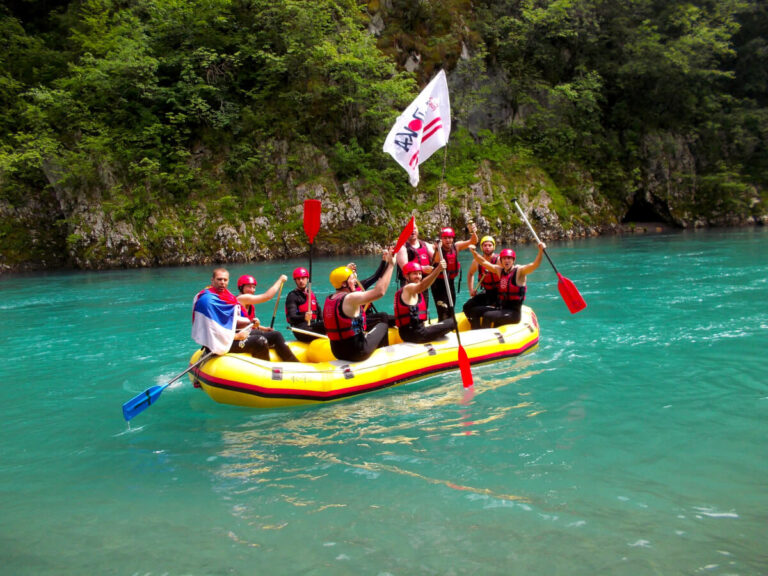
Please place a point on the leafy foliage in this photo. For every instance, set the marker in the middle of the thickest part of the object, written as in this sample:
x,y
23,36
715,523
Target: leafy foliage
x,y
155,104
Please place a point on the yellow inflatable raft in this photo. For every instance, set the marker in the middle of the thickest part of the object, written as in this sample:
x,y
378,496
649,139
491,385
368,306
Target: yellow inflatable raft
x,y
242,380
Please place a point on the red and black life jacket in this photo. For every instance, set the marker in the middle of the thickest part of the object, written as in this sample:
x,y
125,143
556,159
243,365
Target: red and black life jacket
x,y
249,311
452,262
420,255
405,314
339,326
487,278
510,294
305,307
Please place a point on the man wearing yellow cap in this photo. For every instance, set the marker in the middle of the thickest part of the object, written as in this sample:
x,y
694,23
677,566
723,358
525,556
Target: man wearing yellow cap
x,y
344,314
483,298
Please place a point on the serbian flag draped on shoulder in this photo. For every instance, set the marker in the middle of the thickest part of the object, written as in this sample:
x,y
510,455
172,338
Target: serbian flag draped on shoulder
x,y
422,129
214,319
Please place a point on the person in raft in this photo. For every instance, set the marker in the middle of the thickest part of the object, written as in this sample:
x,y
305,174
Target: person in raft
x,y
261,338
512,285
301,309
411,307
372,316
414,250
481,302
450,250
344,314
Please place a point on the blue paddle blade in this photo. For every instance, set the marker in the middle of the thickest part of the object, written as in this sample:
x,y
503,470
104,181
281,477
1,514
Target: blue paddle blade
x,y
141,402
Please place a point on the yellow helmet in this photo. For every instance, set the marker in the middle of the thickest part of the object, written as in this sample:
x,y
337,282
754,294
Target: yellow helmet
x,y
339,276
488,239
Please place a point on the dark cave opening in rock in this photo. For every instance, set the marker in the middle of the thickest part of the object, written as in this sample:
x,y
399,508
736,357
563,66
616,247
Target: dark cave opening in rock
x,y
643,211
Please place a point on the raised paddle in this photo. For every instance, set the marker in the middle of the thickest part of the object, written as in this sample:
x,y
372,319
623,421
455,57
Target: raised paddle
x,y
568,291
274,312
405,234
312,208
141,402
464,366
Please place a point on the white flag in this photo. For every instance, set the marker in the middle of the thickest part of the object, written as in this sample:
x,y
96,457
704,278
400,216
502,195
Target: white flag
x,y
422,129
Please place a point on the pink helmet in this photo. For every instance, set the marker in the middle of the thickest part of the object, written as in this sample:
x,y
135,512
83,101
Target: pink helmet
x,y
300,273
507,253
447,233
411,267
245,279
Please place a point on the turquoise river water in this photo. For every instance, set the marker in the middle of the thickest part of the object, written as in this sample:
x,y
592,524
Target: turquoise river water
x,y
632,441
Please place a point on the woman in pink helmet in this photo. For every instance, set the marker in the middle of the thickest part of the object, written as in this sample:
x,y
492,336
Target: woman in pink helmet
x,y
261,338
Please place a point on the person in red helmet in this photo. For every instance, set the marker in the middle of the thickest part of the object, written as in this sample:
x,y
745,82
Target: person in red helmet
x,y
482,299
261,338
450,249
301,309
411,307
512,285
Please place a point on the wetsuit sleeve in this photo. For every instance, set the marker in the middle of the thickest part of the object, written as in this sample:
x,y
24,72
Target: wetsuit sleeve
x,y
368,282
292,313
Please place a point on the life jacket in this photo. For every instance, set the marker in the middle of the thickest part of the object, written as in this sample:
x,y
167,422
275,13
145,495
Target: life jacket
x,y
304,308
420,255
510,294
249,311
486,277
339,326
405,314
452,262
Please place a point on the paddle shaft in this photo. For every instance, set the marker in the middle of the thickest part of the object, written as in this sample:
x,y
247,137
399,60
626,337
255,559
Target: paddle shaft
x,y
274,312
522,215
144,400
308,333
448,293
195,365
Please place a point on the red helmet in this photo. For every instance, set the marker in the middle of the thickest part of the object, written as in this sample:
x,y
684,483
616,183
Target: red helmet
x,y
411,267
447,233
507,253
245,279
300,273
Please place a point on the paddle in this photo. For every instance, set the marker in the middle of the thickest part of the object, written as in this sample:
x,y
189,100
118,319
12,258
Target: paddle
x,y
274,312
567,289
405,234
308,333
141,402
464,367
312,209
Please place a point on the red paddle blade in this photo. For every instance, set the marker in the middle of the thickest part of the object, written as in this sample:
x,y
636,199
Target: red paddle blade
x,y
570,294
465,368
407,231
311,218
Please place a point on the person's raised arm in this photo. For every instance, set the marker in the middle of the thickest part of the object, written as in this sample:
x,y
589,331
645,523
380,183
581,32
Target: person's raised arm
x,y
528,268
353,300
373,278
497,268
428,280
464,244
251,299
471,278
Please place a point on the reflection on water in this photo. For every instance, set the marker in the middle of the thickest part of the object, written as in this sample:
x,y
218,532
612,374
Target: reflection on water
x,y
366,436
